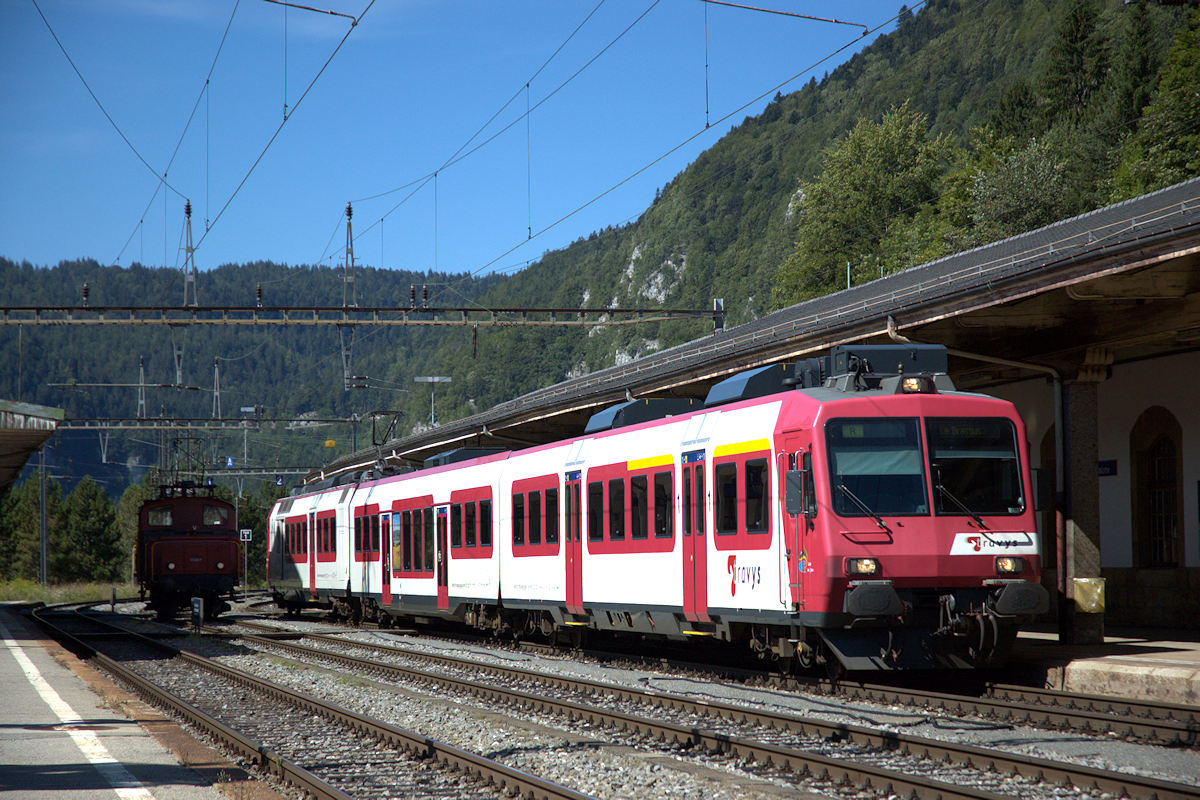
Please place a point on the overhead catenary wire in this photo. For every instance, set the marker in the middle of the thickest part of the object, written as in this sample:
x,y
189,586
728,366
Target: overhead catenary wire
x,y
464,154
162,178
680,146
353,26
203,95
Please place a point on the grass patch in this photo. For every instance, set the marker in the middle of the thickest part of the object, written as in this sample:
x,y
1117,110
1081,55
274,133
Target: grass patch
x,y
34,592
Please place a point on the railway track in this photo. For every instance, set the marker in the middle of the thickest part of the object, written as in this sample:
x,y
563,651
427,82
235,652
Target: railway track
x,y
783,741
1094,715
319,748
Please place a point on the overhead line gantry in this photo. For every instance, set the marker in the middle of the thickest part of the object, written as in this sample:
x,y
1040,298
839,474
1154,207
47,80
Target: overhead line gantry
x,y
369,316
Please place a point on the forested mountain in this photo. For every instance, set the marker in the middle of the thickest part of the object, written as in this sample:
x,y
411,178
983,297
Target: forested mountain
x,y
970,122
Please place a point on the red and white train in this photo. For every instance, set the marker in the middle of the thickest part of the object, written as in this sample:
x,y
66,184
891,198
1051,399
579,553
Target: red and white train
x,y
855,510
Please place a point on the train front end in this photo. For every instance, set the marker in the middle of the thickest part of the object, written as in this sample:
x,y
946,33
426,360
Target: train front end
x,y
912,512
188,546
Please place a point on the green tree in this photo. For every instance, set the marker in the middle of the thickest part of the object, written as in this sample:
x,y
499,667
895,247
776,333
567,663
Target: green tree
x,y
20,527
1022,190
1077,64
85,542
1166,147
874,181
126,516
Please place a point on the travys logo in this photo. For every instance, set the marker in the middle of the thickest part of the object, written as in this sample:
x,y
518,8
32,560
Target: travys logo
x,y
752,576
996,542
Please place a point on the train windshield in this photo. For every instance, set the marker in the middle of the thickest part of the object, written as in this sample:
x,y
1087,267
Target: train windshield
x,y
216,516
975,467
876,467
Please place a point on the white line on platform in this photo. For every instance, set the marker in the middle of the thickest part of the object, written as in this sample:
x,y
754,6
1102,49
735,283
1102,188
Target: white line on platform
x,y
123,783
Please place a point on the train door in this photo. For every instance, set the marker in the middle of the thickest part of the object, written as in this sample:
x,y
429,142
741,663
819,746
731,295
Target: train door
x,y
385,557
695,543
796,455
310,546
443,559
574,543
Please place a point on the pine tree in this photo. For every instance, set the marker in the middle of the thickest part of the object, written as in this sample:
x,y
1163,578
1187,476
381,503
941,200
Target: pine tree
x,y
1166,147
85,542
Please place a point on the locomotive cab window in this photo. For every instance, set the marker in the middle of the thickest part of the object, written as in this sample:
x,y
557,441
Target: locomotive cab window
x,y
160,516
215,516
974,466
876,467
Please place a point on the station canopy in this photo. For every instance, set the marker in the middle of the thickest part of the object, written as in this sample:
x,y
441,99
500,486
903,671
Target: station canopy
x,y
24,428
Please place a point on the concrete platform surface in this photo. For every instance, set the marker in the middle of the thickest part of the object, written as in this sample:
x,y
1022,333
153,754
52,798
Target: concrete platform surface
x,y
1151,665
68,733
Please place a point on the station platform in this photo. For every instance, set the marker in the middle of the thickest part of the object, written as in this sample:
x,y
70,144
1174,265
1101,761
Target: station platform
x,y
68,733
1151,665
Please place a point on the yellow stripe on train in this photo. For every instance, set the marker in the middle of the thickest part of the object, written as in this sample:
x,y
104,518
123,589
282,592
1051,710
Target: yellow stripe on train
x,y
737,448
649,463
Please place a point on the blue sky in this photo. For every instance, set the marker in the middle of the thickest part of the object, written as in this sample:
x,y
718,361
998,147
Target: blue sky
x,y
411,84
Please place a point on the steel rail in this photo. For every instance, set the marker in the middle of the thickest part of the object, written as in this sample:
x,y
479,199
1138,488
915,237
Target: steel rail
x,y
977,757
507,779
1054,710
1104,704
270,763
889,782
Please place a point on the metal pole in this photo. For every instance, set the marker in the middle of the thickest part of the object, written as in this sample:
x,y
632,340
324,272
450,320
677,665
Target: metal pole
x,y
42,509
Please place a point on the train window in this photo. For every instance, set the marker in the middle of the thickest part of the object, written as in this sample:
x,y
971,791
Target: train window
x,y
639,501
406,527
418,551
699,500
333,534
456,525
725,498
429,540
518,520
160,516
552,516
470,523
687,500
535,517
876,466
215,515
757,496
616,509
485,523
374,533
975,466
595,511
664,504
358,534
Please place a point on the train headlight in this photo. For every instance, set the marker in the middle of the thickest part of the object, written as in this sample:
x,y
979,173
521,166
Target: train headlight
x,y
1009,565
862,566
170,565
220,565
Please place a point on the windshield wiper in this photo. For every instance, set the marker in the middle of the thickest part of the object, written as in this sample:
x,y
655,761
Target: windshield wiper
x,y
961,505
865,508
